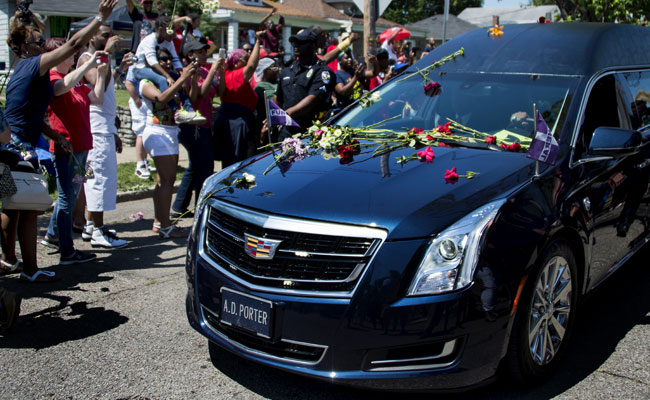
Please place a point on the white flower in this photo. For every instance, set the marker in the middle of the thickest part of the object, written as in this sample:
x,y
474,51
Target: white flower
x,y
338,132
324,143
375,96
249,178
326,156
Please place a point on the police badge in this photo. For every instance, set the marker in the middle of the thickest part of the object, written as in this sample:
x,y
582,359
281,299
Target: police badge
x,y
326,77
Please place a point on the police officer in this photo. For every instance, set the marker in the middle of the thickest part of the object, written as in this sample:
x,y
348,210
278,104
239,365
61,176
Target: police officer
x,y
305,87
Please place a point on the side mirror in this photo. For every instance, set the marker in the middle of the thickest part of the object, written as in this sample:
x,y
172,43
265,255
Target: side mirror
x,y
614,142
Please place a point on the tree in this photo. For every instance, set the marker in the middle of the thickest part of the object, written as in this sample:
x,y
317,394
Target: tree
x,y
410,11
630,11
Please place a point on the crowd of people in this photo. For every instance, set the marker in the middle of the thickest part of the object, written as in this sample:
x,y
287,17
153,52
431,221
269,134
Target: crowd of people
x,y
65,91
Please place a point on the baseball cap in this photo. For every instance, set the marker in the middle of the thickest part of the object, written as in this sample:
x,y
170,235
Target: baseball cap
x,y
192,45
304,35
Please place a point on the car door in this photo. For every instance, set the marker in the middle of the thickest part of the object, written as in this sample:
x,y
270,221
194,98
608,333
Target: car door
x,y
611,188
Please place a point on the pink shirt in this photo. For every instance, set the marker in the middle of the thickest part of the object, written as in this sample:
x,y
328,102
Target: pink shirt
x,y
204,104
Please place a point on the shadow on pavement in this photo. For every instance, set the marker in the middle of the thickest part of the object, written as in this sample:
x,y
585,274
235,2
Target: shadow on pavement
x,y
605,317
68,320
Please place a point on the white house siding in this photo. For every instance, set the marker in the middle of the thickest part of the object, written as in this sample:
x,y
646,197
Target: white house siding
x,y
5,14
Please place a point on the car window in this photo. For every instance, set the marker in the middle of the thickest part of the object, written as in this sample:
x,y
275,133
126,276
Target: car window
x,y
638,84
497,104
603,110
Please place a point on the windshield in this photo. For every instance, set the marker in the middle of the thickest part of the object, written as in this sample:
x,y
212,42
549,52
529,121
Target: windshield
x,y
496,104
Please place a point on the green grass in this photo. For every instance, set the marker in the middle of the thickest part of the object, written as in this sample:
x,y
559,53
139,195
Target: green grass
x,y
122,97
127,181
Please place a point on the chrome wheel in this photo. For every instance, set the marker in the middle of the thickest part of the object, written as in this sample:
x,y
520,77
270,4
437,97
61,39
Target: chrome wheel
x,y
550,309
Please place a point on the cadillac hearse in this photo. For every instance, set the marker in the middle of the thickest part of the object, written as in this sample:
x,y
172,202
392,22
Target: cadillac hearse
x,y
447,253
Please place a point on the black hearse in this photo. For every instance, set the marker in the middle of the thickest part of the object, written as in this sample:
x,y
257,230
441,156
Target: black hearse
x,y
383,274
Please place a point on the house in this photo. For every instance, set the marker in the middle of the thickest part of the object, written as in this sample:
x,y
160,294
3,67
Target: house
x,y
484,17
59,14
234,16
434,26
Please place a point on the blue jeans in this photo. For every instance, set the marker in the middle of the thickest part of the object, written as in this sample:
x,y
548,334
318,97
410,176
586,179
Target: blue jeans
x,y
161,83
198,143
61,220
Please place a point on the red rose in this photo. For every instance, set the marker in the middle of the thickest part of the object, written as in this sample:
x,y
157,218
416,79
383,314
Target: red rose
x,y
451,175
429,137
491,140
356,146
440,144
515,147
416,131
345,151
444,128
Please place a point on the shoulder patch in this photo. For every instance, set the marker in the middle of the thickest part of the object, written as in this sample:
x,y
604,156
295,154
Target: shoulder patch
x,y
325,76
310,73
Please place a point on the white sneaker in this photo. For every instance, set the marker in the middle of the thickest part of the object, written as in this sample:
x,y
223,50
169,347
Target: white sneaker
x,y
87,233
150,166
103,237
142,172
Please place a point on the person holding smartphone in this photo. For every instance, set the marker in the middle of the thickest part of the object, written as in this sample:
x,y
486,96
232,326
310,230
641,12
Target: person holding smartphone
x,y
69,115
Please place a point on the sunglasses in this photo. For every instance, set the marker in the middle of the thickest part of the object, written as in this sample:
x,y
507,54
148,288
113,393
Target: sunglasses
x,y
40,42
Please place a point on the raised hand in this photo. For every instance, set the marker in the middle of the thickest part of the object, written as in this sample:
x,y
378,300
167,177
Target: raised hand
x,y
106,8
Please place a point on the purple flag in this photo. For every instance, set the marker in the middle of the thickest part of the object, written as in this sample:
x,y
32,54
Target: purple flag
x,y
277,116
544,147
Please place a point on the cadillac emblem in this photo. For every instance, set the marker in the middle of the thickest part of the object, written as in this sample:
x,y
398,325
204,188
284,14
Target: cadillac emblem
x,y
260,248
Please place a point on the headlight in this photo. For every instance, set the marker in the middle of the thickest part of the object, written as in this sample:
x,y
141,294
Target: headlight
x,y
209,185
451,257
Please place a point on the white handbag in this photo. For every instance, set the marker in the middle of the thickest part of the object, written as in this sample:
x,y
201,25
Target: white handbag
x,y
31,194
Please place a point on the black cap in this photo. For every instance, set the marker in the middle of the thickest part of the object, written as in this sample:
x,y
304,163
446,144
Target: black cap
x,y
304,35
191,45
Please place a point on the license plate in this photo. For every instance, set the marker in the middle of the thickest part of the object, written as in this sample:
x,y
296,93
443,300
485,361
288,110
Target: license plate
x,y
246,312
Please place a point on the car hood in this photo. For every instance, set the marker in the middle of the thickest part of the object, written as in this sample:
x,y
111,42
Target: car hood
x,y
409,201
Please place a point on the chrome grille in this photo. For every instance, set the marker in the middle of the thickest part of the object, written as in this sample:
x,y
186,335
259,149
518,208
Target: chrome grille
x,y
310,259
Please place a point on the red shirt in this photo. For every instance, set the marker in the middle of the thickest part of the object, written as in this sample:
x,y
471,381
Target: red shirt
x,y
239,91
69,115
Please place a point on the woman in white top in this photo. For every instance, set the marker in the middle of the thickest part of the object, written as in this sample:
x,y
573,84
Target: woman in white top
x,y
160,139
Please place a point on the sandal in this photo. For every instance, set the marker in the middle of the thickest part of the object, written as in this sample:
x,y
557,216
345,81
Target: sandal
x,y
7,268
172,232
156,227
39,276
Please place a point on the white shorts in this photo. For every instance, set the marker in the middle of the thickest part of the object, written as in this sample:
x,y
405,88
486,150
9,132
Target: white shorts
x,y
160,140
101,190
138,117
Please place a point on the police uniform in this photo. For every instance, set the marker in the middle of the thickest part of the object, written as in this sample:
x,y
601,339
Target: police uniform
x,y
299,81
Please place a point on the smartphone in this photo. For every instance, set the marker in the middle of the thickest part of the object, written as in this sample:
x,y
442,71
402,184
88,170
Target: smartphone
x,y
103,59
222,53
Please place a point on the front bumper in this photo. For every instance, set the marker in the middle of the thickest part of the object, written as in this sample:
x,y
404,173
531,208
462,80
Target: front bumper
x,y
444,342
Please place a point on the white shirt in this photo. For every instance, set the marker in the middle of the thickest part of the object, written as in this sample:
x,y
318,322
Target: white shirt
x,y
146,52
102,117
389,48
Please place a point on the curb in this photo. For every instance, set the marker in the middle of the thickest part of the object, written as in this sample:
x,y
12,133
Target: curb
x,y
139,194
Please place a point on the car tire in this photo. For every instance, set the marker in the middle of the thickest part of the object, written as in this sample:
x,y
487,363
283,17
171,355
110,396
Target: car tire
x,y
545,317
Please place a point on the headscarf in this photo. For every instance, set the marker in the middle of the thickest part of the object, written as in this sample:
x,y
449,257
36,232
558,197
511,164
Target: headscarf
x,y
261,67
235,56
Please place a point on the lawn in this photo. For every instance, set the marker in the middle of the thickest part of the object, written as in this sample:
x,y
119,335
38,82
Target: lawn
x,y
127,181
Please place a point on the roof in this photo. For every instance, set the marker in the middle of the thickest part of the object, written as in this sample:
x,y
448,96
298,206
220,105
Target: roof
x,y
282,8
70,8
507,15
571,48
433,26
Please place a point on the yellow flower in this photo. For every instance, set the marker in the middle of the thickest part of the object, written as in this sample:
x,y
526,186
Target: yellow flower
x,y
496,31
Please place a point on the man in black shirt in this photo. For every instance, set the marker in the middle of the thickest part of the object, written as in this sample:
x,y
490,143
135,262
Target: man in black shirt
x,y
305,87
142,21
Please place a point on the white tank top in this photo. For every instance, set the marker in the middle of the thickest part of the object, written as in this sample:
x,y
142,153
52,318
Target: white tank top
x,y
102,118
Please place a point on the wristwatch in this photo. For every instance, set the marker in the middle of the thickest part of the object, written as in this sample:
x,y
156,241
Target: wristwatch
x,y
99,18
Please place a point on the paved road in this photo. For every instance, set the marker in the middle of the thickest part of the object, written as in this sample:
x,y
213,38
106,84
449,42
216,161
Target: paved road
x,y
116,329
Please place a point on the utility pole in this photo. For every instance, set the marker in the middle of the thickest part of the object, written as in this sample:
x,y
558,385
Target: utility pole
x,y
369,19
